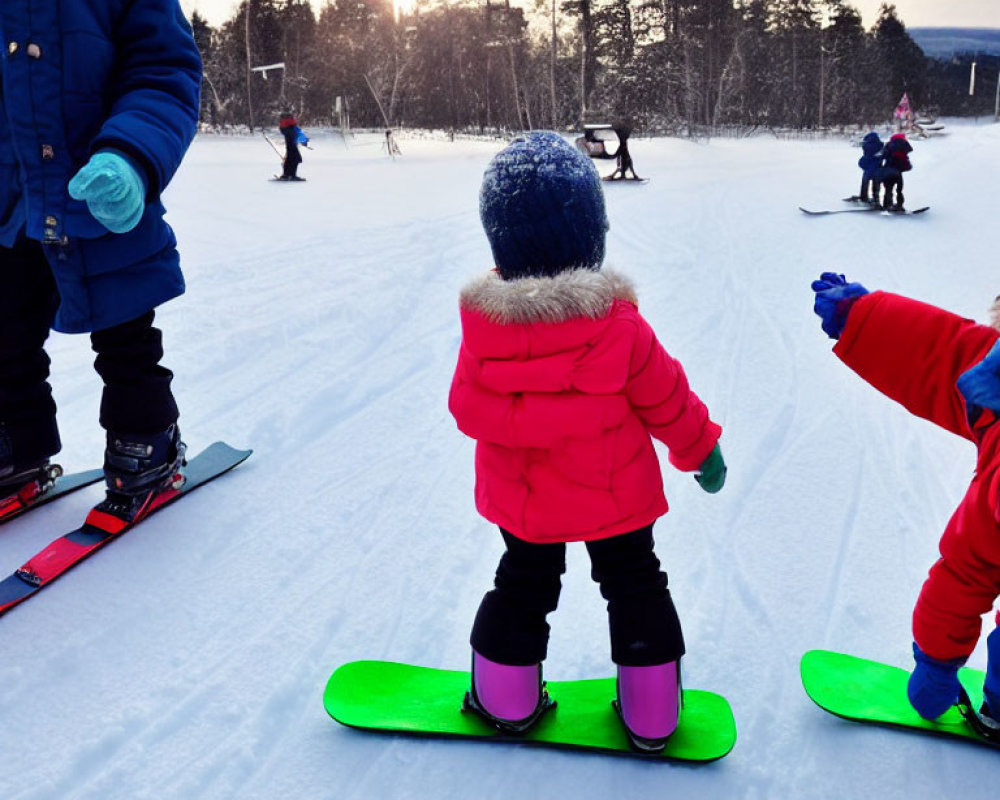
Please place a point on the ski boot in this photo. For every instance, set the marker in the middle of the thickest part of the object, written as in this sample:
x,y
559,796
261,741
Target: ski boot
x,y
510,698
22,484
139,466
649,703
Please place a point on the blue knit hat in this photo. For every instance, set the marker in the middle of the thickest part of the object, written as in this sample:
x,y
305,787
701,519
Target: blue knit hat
x,y
542,208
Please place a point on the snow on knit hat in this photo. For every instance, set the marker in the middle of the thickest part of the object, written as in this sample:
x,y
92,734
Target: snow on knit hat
x,y
542,208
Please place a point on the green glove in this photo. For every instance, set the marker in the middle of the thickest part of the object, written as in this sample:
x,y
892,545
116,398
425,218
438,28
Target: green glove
x,y
711,474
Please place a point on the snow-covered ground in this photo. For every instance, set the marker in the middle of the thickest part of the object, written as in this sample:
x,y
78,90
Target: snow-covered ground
x,y
188,659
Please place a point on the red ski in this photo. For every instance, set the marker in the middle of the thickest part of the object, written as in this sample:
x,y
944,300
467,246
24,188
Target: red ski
x,y
50,485
101,527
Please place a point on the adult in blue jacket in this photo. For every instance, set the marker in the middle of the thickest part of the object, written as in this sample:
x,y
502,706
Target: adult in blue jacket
x,y
98,104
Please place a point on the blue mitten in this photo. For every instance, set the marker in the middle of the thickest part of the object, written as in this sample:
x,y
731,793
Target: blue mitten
x,y
834,298
980,385
933,686
115,190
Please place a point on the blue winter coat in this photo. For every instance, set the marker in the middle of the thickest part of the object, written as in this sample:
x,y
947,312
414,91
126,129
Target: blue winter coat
x,y
870,162
77,76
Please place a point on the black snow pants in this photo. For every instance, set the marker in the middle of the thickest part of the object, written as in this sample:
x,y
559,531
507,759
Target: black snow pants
x,y
890,182
510,627
137,397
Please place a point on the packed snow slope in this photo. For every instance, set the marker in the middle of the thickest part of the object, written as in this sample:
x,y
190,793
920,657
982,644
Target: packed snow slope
x,y
320,327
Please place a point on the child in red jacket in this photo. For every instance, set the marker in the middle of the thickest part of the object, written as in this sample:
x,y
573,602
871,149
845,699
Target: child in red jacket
x,y
945,369
562,383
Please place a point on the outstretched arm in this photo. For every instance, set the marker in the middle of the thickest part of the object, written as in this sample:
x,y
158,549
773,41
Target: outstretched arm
x,y
914,353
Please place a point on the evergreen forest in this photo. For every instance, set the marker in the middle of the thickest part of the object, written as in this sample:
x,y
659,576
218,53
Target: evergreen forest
x,y
687,67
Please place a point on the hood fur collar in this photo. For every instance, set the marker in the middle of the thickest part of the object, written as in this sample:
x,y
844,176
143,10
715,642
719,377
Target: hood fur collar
x,y
568,295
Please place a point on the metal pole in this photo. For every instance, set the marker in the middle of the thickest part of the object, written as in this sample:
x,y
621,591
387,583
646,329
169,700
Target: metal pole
x,y
996,107
249,100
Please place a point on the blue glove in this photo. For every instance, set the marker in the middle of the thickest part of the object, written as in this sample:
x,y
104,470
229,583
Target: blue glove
x,y
300,137
834,298
711,475
980,385
115,190
933,686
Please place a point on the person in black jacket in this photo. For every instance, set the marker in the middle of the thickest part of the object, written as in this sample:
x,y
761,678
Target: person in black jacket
x,y
895,161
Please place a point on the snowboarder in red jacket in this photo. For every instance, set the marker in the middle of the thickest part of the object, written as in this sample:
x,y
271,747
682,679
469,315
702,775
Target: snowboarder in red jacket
x,y
946,369
562,384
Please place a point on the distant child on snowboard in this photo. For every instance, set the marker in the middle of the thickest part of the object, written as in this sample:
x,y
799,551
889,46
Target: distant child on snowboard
x,y
871,165
895,161
289,127
563,383
98,105
945,369
623,157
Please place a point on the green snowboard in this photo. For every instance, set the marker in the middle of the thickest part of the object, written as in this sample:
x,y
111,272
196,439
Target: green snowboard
x,y
401,698
868,691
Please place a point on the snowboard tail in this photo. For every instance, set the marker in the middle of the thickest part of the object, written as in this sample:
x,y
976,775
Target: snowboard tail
x,y
101,527
868,691
389,697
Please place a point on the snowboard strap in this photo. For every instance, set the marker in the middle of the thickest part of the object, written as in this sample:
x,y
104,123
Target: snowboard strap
x,y
985,726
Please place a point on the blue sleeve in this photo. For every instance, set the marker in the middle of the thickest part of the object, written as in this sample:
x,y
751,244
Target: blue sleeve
x,y
155,95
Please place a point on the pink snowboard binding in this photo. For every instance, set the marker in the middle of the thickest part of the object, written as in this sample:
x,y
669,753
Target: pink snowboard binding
x,y
512,699
649,704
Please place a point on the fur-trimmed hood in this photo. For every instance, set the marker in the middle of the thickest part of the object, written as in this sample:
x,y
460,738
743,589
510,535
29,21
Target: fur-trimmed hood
x,y
565,296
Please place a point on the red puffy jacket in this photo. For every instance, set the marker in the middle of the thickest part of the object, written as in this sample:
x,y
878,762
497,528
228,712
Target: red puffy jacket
x,y
562,382
914,353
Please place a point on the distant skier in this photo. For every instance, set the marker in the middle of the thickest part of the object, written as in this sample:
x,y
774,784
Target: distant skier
x,y
895,161
562,383
391,146
289,127
946,369
84,154
870,164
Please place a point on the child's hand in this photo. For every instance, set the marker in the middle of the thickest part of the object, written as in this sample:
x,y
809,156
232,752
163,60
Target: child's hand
x,y
834,298
980,385
114,190
711,474
933,686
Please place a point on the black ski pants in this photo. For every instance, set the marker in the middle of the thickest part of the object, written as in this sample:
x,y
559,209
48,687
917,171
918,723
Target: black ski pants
x,y
890,182
137,397
510,626
870,189
292,159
